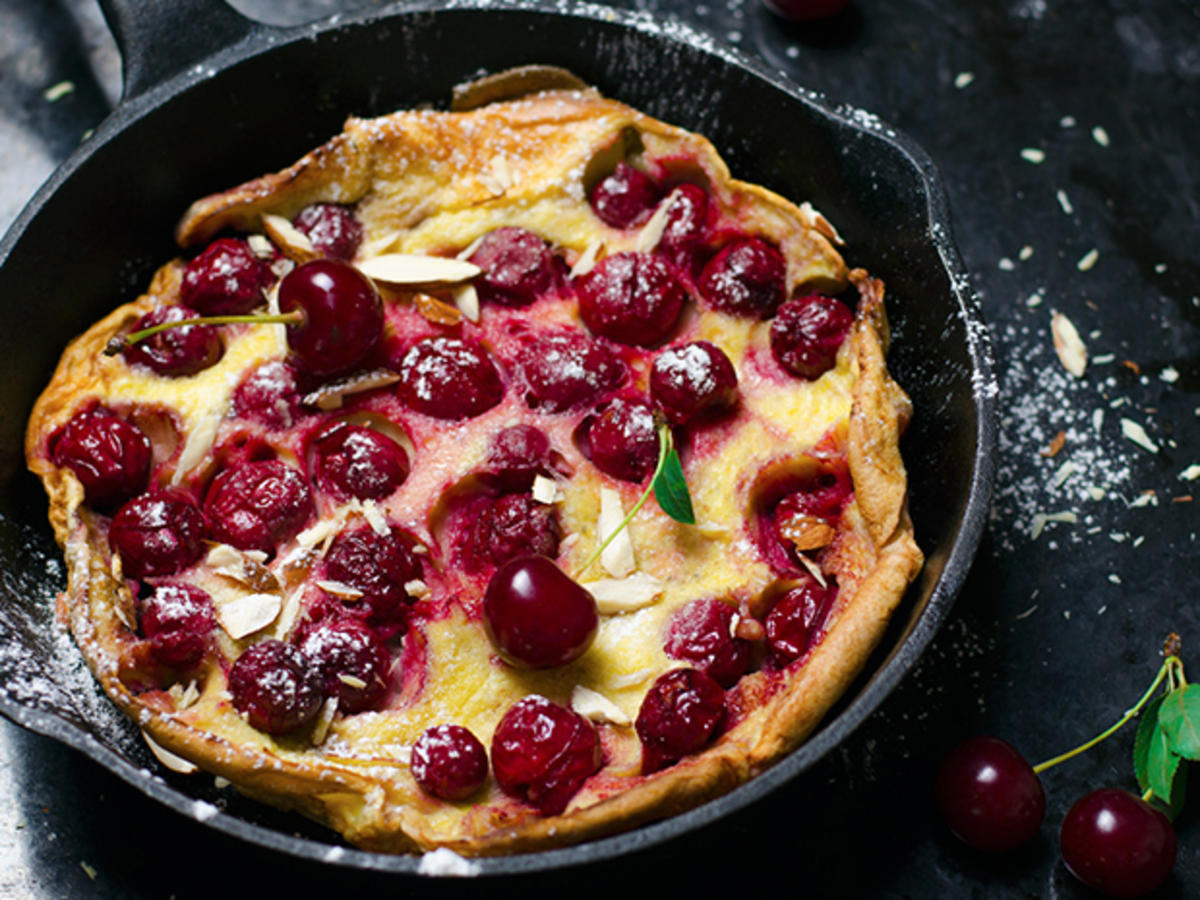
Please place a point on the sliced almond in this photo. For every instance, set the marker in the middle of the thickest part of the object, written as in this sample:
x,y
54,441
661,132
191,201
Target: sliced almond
x,y
184,697
652,232
242,616
1068,345
288,615
814,219
292,243
587,259
807,532
597,707
330,396
338,589
415,272
617,558
261,246
813,569
351,681
544,490
466,298
199,442
416,588
324,720
172,761
245,568
434,310
623,595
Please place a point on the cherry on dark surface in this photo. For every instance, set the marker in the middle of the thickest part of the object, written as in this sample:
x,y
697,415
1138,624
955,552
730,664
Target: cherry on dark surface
x,y
624,197
687,223
275,686
795,620
989,794
258,505
176,352
160,532
806,10
1117,843
515,525
807,333
682,712
537,616
701,633
269,396
449,378
622,440
380,566
225,279
747,278
108,454
353,461
518,454
542,753
343,316
632,298
177,619
566,370
691,380
518,267
449,762
351,659
331,228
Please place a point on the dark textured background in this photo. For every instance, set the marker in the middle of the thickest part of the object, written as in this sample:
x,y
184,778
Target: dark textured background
x,y
1052,637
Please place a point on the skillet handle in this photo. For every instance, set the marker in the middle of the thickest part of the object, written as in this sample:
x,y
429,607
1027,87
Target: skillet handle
x,y
160,38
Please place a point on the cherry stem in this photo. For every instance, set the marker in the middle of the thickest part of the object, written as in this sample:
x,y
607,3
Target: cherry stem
x,y
664,448
1171,669
118,343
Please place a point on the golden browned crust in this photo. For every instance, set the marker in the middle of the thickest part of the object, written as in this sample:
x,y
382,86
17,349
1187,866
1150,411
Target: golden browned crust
x,y
400,170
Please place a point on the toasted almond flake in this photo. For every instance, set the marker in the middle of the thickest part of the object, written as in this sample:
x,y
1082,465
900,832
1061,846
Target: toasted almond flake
x,y
199,442
544,490
351,681
1056,444
242,616
244,567
1041,520
1132,366
1005,264
1191,473
1064,201
1145,498
1097,493
595,706
807,532
813,569
339,589
288,615
324,720
502,173
184,697
416,588
434,310
375,518
587,259
1029,612
1068,345
1065,471
416,272
632,679
1170,375
329,396
1088,260
1136,433
1026,253
651,233
172,761
320,532
622,595
261,246
466,298
224,557
1033,155
813,218
1182,498
293,243
617,558
88,870
56,92
1034,300
962,79
1103,360
1114,578
468,251
1100,136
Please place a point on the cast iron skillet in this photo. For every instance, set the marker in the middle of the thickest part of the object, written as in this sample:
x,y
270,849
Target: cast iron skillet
x,y
212,99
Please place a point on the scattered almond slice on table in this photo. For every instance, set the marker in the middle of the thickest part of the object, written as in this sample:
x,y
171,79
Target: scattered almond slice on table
x,y
1068,345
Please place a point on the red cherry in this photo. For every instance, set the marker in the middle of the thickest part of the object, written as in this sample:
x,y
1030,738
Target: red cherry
x,y
536,616
352,461
687,224
449,762
566,370
1117,843
517,455
691,380
160,532
796,619
682,712
542,753
807,333
702,633
343,316
176,352
381,566
622,441
449,378
515,525
108,454
745,278
806,10
351,659
632,298
268,396
625,197
177,620
518,267
989,795
258,505
331,228
225,279
275,686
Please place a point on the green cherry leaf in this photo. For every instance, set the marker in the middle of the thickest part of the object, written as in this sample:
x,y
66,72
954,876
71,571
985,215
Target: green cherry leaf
x,y
1179,717
1162,765
670,487
1148,731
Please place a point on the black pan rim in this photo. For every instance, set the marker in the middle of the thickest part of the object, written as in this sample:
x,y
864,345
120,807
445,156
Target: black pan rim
x,y
262,39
